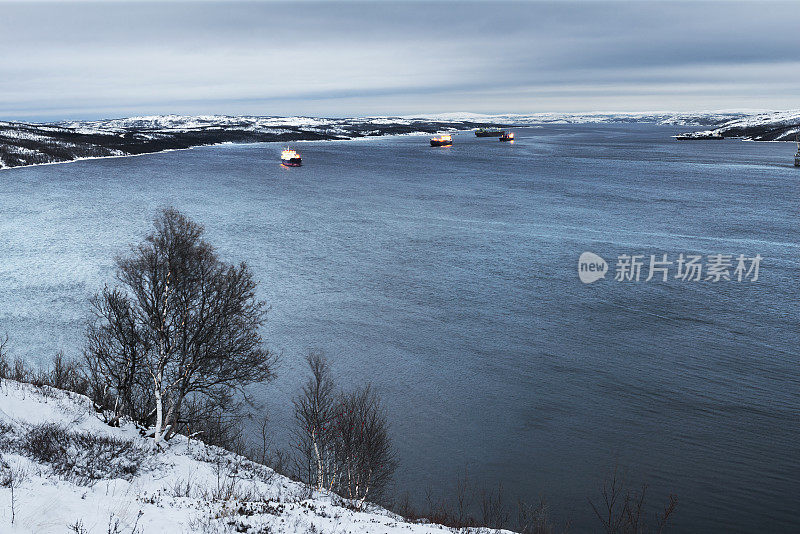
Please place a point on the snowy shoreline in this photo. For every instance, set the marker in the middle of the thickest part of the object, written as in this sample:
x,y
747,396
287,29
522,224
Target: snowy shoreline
x,y
28,144
23,145
116,156
772,126
112,156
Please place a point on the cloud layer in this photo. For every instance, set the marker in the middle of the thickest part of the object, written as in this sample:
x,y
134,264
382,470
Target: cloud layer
x,y
91,60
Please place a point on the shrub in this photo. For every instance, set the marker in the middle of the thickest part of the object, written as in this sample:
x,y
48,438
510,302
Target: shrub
x,y
82,456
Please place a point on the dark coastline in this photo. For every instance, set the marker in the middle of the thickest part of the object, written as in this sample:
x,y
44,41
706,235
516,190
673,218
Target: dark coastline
x,y
23,144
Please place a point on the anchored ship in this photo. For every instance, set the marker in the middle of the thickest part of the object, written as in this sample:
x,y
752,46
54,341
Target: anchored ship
x,y
507,136
290,158
442,140
699,136
488,132
797,154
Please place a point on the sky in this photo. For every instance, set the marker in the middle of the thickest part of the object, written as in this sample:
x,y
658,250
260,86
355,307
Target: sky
x,y
88,60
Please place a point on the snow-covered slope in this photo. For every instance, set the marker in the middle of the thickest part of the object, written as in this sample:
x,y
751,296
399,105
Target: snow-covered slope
x,y
72,473
772,126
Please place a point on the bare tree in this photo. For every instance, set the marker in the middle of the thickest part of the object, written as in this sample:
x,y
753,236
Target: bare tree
x,y
494,510
11,476
314,411
181,324
115,357
343,439
64,373
622,510
4,367
363,446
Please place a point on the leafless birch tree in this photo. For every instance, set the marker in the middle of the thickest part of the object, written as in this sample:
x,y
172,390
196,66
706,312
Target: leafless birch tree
x,y
181,324
343,440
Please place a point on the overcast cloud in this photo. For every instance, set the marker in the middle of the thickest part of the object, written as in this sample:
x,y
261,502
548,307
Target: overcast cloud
x,y
110,59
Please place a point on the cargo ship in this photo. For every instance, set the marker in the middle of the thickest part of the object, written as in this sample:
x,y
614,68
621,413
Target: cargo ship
x,y
442,140
488,132
699,137
507,136
290,158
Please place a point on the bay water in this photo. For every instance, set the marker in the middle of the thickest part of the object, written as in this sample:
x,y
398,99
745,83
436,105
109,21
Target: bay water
x,y
448,278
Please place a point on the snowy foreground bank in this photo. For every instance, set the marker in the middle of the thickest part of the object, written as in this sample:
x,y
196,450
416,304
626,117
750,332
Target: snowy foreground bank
x,y
63,470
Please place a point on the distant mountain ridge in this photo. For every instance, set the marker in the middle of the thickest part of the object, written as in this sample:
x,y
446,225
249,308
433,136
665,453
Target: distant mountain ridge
x,y
772,126
30,143
704,118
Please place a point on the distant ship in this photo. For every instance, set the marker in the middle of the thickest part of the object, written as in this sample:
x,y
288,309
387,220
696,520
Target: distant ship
x,y
699,137
488,132
290,158
507,136
797,154
442,140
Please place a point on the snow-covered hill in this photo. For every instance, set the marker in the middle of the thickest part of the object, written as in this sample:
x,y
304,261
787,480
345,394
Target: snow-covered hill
x,y
62,470
704,118
347,126
773,126
29,144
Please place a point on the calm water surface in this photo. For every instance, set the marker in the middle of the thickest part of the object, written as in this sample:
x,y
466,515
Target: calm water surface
x,y
447,277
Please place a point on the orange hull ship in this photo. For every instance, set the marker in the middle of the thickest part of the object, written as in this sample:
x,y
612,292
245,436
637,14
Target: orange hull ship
x,y
442,140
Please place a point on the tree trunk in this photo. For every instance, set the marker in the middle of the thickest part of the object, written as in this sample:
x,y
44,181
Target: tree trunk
x,y
320,469
172,417
159,414
158,380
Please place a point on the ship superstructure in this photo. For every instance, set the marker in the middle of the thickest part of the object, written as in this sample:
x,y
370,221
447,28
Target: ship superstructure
x,y
290,158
